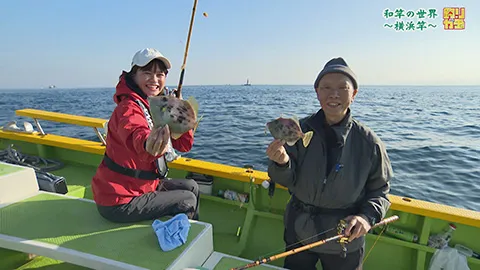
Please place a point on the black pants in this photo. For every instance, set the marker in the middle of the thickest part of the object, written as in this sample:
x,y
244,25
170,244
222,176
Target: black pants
x,y
306,260
173,196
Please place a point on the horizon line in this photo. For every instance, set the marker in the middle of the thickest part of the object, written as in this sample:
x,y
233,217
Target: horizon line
x,y
192,85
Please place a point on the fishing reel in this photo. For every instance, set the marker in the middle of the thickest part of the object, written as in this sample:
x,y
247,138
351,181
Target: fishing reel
x,y
270,185
343,241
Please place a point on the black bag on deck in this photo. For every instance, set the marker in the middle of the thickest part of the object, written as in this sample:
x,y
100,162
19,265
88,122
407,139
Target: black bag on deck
x,y
46,181
51,183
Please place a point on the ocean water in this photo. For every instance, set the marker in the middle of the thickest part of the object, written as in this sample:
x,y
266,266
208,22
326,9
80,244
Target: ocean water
x,y
432,133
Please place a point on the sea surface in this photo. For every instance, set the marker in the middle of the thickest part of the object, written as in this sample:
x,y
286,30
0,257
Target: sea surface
x,y
432,133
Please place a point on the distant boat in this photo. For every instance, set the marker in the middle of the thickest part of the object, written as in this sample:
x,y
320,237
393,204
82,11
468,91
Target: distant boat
x,y
51,86
248,83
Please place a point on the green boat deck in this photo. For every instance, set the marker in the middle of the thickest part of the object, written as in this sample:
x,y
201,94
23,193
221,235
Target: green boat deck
x,y
82,229
6,169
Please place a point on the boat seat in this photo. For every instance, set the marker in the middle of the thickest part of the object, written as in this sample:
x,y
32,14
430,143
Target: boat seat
x,y
71,230
78,120
222,261
63,118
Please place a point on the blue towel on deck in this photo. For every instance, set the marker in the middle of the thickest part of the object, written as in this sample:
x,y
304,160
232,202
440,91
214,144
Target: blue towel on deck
x,y
173,232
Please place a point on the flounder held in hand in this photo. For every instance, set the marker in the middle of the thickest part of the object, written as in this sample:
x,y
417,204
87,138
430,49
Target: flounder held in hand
x,y
288,130
180,115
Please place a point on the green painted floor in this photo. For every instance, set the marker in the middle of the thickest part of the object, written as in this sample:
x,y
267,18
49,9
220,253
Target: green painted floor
x,y
6,169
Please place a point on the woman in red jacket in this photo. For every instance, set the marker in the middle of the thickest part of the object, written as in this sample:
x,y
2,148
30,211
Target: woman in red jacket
x,y
130,184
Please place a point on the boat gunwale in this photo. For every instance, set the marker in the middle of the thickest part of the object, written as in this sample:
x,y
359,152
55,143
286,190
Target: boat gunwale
x,y
399,203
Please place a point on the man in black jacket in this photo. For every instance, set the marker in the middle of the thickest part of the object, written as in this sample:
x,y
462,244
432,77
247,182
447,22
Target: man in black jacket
x,y
344,173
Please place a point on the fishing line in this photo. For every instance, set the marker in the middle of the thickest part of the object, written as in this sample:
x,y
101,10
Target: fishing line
x,y
374,243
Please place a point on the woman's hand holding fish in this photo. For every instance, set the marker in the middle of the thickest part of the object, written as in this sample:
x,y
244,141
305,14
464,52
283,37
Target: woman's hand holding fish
x,y
277,153
157,141
176,93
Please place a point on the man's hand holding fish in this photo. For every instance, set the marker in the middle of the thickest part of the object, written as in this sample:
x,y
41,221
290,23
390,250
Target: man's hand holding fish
x,y
277,153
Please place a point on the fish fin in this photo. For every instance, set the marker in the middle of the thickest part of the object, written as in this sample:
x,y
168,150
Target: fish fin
x,y
295,118
291,143
307,138
196,124
176,135
194,104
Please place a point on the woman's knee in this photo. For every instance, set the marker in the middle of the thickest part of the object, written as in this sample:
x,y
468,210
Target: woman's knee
x,y
192,185
188,202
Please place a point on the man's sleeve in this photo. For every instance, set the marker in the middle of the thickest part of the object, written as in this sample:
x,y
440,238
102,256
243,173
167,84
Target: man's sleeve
x,y
376,203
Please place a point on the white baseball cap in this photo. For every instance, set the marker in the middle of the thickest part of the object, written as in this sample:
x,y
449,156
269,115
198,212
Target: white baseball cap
x,y
143,57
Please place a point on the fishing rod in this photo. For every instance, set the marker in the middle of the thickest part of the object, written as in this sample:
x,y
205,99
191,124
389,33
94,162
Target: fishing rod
x,y
339,236
182,74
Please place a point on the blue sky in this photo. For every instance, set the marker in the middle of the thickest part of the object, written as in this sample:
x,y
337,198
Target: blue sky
x,y
86,43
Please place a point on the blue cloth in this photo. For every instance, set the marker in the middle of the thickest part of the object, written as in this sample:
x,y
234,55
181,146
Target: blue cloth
x,y
173,232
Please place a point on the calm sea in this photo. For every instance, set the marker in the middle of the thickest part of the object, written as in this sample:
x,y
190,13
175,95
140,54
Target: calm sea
x,y
432,133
